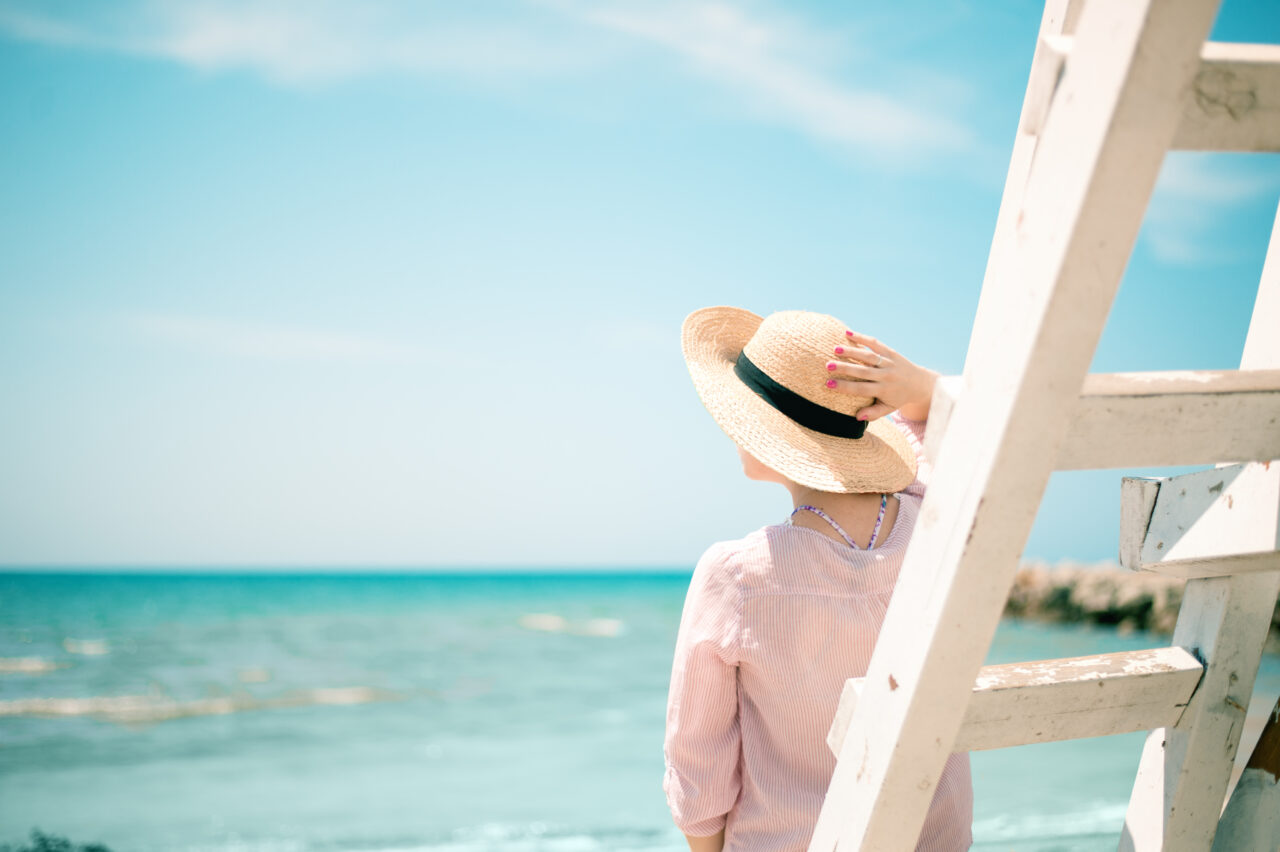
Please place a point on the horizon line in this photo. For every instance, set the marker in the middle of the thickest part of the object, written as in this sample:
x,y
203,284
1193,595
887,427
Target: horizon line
x,y
336,568
409,569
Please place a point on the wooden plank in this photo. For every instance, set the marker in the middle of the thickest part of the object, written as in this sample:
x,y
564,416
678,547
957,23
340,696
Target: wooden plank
x,y
1235,100
1251,822
1196,524
1174,418
1095,164
1182,778
1233,103
1049,700
1137,502
1183,774
1161,418
1064,699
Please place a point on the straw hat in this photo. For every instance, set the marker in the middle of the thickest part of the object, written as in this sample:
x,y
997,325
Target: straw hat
x,y
784,370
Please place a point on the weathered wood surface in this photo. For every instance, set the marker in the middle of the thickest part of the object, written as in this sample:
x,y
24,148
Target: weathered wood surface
x,y
1194,525
1161,418
1174,418
1060,17
1137,501
1049,700
1183,774
1182,777
1251,821
1233,103
1067,243
1235,100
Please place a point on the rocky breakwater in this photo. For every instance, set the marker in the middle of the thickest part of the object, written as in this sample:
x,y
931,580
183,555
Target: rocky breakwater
x,y
1104,593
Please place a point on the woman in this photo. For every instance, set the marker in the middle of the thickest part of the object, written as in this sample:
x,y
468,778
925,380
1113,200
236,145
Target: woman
x,y
776,622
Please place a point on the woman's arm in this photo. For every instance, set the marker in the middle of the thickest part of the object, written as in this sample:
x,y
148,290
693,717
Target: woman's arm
x,y
920,410
870,368
703,743
714,843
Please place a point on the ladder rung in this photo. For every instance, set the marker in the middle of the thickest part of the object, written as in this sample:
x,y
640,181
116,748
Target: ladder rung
x,y
1050,700
1234,104
1174,418
1150,419
1200,524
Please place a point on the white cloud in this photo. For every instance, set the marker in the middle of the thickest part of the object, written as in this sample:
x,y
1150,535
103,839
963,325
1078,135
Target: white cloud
x,y
764,59
300,42
771,62
294,41
266,341
1206,178
1193,197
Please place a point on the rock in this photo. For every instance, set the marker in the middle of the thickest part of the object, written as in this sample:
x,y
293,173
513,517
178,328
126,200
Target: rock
x,y
1102,593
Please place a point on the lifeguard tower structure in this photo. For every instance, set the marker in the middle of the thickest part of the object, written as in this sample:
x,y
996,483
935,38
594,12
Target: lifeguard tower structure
x,y
1114,84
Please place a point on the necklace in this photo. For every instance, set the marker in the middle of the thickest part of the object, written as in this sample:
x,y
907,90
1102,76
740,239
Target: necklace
x,y
884,501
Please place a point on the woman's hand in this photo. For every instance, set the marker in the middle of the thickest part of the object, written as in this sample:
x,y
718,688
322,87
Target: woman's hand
x,y
867,367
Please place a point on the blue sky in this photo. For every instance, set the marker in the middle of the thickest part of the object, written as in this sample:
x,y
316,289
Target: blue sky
x,y
400,283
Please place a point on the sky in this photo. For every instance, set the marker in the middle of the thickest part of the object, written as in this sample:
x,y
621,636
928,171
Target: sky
x,y
400,284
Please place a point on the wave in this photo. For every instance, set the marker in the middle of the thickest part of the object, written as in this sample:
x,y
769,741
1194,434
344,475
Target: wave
x,y
547,622
28,665
1103,818
539,837
495,837
268,845
86,647
134,709
601,627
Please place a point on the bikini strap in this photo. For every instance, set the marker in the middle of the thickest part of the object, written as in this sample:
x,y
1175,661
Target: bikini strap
x,y
884,501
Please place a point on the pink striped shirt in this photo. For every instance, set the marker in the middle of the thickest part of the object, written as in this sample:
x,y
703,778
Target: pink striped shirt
x,y
773,626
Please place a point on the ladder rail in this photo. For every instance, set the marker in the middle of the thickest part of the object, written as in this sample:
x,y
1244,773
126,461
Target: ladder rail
x,y
1060,18
1053,277
1226,619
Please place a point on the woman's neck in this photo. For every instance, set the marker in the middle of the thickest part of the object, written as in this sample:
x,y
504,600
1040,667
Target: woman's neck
x,y
855,513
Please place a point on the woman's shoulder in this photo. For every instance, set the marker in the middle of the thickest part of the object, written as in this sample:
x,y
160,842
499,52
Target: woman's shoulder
x,y
716,587
735,562
733,554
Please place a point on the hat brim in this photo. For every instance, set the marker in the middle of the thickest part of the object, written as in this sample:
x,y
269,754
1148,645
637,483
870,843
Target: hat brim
x,y
882,460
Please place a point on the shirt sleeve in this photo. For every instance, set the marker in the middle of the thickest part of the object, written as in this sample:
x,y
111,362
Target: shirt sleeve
x,y
703,740
914,431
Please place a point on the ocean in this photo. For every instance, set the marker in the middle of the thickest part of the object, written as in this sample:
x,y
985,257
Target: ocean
x,y
463,712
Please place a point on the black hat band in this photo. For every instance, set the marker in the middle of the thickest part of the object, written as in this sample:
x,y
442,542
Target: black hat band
x,y
808,414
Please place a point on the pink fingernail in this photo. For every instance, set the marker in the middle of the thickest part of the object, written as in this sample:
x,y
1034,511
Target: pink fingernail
x,y
862,417
839,350
831,383
831,366
848,334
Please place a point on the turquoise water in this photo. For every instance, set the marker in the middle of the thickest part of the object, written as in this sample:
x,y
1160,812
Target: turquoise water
x,y
427,712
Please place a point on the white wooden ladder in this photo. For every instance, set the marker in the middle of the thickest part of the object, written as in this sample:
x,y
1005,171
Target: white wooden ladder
x,y
1113,85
